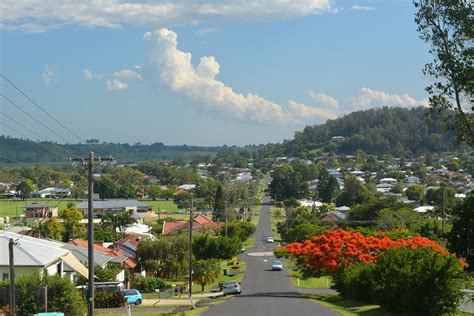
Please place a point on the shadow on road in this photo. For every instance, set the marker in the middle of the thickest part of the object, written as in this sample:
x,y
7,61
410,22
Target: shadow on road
x,y
274,294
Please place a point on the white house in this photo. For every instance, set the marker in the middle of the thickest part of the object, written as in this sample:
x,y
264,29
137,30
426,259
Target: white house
x,y
32,255
391,181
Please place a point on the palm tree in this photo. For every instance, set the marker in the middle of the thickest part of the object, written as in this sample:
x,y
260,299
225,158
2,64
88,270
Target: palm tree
x,y
117,220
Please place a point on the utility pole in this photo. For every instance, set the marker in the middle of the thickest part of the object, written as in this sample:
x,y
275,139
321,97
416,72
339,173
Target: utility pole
x,y
89,163
11,243
190,281
225,212
443,212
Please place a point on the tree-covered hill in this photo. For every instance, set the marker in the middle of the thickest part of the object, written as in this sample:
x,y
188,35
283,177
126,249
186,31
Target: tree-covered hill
x,y
396,131
14,150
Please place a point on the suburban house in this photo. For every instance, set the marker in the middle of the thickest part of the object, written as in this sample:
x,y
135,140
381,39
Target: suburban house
x,y
40,210
128,245
52,193
389,181
105,256
33,255
333,216
200,223
114,206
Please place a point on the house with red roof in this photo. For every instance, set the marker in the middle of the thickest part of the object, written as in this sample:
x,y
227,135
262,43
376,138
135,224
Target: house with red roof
x,y
200,223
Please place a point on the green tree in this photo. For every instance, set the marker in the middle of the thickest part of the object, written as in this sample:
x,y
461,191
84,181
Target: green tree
x,y
415,192
389,219
301,232
165,257
118,222
219,203
26,188
461,237
221,247
51,228
327,186
447,26
239,230
354,193
206,271
71,217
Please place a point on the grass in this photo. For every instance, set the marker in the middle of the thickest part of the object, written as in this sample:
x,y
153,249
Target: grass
x,y
14,208
349,307
321,283
162,205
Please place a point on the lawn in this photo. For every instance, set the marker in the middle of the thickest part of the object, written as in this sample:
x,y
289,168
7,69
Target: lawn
x,y
349,307
296,279
14,208
161,205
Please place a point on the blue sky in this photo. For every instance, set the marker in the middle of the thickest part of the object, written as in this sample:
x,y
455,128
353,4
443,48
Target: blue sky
x,y
205,72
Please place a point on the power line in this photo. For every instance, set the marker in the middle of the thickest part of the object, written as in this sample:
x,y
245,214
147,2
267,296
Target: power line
x,y
40,107
39,144
44,111
33,118
34,133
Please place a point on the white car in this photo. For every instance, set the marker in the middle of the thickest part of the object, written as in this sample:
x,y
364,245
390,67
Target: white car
x,y
231,287
270,240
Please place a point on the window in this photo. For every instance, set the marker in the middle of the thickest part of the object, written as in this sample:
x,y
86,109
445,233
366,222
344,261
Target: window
x,y
5,276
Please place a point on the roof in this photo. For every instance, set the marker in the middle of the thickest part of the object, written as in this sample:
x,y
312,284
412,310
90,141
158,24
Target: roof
x,y
200,221
424,208
38,205
113,204
29,251
116,255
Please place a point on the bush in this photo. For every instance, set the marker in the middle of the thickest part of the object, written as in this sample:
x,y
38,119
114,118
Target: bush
x,y
239,230
207,247
409,281
355,282
107,299
150,284
420,281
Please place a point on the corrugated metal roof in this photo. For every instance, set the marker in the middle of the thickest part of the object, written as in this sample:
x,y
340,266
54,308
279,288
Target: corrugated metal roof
x,y
29,251
113,204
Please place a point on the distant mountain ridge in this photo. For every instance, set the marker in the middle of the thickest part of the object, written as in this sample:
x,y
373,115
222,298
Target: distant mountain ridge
x,y
14,150
378,131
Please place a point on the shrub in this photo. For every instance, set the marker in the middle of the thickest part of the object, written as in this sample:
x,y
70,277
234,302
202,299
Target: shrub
x,y
107,299
421,281
150,284
411,281
239,230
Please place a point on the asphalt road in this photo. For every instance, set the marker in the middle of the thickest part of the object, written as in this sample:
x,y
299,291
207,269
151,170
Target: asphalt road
x,y
265,292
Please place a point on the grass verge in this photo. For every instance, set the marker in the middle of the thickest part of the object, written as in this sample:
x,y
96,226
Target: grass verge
x,y
297,280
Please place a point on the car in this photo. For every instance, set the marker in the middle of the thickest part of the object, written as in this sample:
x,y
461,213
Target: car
x,y
270,240
231,287
277,266
133,296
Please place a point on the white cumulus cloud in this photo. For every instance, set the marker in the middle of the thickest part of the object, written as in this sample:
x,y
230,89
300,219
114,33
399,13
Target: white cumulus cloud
x,y
115,84
324,100
42,15
201,86
87,74
49,75
368,98
362,8
128,74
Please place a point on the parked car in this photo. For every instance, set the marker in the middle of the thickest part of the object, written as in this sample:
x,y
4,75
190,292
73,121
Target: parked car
x,y
231,287
133,296
270,239
277,266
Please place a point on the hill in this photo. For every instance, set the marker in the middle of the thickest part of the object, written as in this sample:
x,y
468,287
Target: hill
x,y
396,131
14,150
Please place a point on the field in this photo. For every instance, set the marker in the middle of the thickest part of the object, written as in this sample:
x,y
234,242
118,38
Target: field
x,y
14,208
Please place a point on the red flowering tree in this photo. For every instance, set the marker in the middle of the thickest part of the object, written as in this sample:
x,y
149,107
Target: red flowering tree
x,y
326,253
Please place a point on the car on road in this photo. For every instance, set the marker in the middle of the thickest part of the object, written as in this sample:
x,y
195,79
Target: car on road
x,y
133,296
270,240
231,287
277,266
